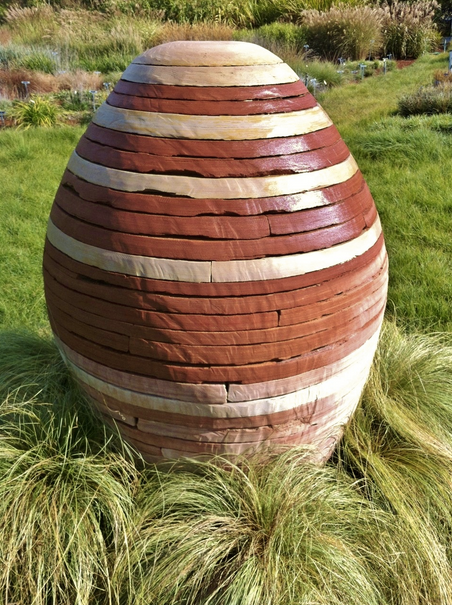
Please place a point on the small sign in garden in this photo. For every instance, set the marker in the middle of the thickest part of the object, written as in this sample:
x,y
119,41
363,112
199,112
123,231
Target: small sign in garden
x,y
215,269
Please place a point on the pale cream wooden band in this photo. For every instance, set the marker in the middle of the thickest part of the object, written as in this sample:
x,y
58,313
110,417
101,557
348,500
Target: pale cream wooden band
x,y
277,267
201,127
338,384
198,53
219,188
282,386
185,391
274,267
246,75
130,264
214,393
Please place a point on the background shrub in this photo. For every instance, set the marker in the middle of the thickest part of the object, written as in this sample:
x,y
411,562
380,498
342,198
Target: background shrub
x,y
408,29
349,32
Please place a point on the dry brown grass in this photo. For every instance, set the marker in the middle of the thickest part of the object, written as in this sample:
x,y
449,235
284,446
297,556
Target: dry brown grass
x,y
197,31
12,88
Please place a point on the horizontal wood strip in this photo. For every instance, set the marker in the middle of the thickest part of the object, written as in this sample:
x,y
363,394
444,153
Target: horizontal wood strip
x,y
258,75
219,290
140,223
216,188
187,271
228,271
241,149
310,295
171,321
197,393
302,414
298,434
231,128
212,93
286,266
220,374
180,206
68,314
240,355
211,108
206,250
212,167
207,53
273,388
318,218
216,393
338,385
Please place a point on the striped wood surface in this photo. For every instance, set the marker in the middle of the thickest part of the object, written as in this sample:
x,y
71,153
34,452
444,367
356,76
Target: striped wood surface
x,y
214,269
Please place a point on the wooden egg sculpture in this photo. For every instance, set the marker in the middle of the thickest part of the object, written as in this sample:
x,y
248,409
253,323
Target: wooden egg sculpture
x,y
215,270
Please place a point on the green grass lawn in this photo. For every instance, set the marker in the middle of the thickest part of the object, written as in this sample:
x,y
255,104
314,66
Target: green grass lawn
x,y
83,522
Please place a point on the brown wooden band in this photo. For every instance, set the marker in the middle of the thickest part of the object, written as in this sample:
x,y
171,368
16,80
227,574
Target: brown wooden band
x,y
212,167
181,206
205,250
211,108
211,93
158,146
258,372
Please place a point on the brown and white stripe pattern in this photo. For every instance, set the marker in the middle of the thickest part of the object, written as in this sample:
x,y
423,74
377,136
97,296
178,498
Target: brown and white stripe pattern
x,y
215,270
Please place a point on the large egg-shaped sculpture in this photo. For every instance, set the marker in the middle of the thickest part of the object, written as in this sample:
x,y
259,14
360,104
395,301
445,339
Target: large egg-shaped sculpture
x,y
215,270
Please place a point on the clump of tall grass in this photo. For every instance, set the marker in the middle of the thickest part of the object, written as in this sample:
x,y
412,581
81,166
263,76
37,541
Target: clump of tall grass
x,y
66,498
408,28
278,530
343,31
428,100
399,445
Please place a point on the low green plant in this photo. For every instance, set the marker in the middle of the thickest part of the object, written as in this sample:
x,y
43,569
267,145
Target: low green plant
x,y
37,111
287,36
427,100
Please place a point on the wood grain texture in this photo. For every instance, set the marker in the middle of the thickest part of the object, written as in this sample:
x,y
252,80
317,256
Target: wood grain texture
x,y
212,93
171,344
270,370
212,167
181,206
187,271
216,188
220,290
230,128
170,321
295,264
241,149
205,249
196,393
210,108
309,296
207,53
240,355
140,223
273,388
338,385
242,75
200,271
303,414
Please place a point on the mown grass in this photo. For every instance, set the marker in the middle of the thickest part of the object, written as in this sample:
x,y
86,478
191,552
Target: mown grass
x,y
406,162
